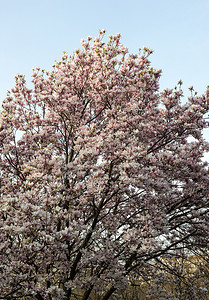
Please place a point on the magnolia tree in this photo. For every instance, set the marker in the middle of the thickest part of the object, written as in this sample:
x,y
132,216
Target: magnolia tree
x,y
101,175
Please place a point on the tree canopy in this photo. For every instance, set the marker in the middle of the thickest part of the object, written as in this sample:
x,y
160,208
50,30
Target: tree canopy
x,y
101,175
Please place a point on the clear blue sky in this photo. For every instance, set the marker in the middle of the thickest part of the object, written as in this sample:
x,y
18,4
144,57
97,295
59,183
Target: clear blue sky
x,y
35,33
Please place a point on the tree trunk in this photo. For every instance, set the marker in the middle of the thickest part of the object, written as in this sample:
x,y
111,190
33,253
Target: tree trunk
x,y
107,295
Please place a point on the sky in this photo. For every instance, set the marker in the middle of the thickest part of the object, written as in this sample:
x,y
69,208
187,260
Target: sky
x,y
35,34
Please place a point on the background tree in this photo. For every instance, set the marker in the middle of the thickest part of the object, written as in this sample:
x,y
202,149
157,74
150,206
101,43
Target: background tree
x,y
98,175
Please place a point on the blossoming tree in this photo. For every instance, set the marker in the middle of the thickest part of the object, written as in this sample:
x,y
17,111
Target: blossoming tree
x,y
101,174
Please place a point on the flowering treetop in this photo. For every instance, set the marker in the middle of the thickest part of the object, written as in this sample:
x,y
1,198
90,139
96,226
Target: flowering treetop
x,y
103,178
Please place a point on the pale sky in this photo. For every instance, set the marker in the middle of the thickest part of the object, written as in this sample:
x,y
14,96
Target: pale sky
x,y
35,33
